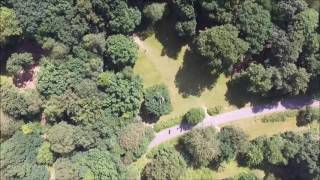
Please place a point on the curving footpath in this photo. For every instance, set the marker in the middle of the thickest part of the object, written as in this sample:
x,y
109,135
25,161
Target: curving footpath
x,y
178,130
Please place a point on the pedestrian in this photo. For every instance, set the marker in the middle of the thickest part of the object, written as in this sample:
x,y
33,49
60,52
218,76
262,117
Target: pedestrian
x,y
169,131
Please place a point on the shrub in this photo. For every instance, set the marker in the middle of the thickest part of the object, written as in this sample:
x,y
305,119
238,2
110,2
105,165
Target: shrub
x,y
157,100
278,117
307,115
160,125
214,110
16,62
45,156
194,116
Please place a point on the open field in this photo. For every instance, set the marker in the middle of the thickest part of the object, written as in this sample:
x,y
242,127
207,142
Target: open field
x,y
188,81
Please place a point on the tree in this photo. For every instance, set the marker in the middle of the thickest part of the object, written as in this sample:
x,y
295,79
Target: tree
x,y
273,150
202,146
124,95
291,80
95,43
306,116
157,100
194,116
186,23
246,176
154,12
167,163
20,157
45,156
255,24
9,25
101,164
8,126
233,141
221,46
186,28
121,50
284,11
66,169
62,138
254,154
17,62
124,19
134,139
259,78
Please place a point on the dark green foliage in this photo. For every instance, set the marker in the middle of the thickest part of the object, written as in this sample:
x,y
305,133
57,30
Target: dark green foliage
x,y
221,46
9,24
186,24
259,79
121,50
186,28
18,62
124,95
95,43
202,146
291,80
154,11
20,157
255,24
19,104
194,116
134,140
100,164
8,126
273,150
124,19
166,163
254,154
59,19
307,116
105,78
157,100
232,142
66,169
62,138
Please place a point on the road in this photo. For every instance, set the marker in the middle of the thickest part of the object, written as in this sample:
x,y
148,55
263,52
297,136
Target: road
x,y
178,130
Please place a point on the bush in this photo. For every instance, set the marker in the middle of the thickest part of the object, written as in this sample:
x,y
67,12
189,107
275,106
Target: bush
x,y
194,116
214,110
157,100
307,116
278,117
16,62
160,125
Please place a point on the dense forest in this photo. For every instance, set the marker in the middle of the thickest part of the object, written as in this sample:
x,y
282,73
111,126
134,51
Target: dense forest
x,y
84,116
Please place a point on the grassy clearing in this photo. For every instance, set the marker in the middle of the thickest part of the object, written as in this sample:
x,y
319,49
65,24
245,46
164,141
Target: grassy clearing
x,y
189,83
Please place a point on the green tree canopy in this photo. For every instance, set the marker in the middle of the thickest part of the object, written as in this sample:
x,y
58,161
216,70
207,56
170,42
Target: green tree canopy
x,y
154,11
18,62
121,50
202,146
167,163
194,116
221,46
9,25
157,100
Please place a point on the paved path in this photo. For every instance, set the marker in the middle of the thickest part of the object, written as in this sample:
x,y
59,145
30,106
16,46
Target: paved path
x,y
178,130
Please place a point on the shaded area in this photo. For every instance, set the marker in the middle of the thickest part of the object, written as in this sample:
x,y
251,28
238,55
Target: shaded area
x,y
26,79
18,45
194,75
166,34
147,117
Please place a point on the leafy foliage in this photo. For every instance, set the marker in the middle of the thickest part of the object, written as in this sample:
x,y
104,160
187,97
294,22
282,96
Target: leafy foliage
x,y
121,50
154,12
202,146
17,62
194,116
9,25
167,163
221,46
157,100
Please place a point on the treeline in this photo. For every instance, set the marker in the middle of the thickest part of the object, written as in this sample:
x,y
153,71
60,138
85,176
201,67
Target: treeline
x,y
88,99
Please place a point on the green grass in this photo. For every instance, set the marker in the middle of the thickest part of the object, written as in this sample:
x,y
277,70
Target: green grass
x,y
188,82
255,127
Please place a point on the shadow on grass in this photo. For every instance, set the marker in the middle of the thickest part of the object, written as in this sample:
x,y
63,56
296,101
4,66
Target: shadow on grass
x,y
194,75
167,36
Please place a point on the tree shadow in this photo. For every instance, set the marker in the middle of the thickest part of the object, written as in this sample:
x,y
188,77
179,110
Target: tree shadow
x,y
166,34
147,117
194,75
